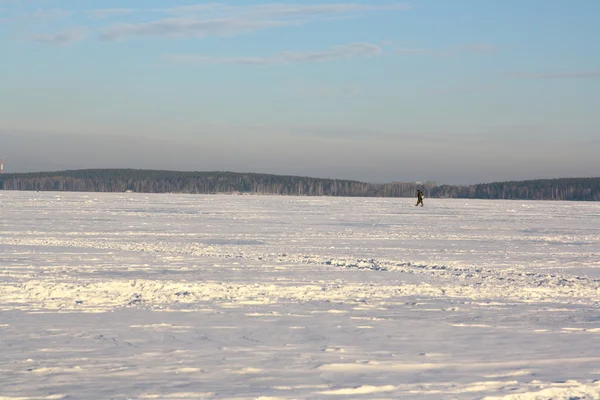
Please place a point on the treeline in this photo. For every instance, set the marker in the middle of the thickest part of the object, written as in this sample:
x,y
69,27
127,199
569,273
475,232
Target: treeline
x,y
579,189
150,181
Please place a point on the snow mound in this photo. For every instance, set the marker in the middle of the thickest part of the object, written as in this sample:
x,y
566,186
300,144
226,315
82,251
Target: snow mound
x,y
570,390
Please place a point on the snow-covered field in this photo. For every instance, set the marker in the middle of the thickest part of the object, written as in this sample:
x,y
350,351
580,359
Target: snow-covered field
x,y
136,296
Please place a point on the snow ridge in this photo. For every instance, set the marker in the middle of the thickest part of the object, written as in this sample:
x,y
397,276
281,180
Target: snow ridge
x,y
460,282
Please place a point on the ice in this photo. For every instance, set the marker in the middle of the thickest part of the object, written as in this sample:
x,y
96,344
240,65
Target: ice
x,y
173,296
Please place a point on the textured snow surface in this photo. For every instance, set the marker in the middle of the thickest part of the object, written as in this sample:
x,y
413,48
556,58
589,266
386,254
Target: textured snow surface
x,y
137,296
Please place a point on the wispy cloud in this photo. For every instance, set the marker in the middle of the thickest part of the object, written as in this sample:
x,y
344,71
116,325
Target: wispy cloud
x,y
62,38
54,13
188,27
217,19
50,13
473,48
297,10
563,75
478,48
325,131
339,52
338,133
465,89
353,50
198,9
285,10
326,90
109,12
404,50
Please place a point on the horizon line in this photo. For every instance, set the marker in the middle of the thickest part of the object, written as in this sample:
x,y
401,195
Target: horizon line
x,y
419,182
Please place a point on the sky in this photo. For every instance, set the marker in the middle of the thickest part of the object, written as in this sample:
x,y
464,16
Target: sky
x,y
455,92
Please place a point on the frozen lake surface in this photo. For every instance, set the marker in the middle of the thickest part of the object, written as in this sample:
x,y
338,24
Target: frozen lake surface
x,y
165,296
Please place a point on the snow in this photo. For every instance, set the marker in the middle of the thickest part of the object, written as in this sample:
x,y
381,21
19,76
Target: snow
x,y
173,296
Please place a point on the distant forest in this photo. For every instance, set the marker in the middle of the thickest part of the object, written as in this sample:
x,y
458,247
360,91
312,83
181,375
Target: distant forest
x,y
151,181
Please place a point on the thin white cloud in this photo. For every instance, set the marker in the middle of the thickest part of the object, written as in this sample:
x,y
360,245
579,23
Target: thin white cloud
x,y
404,50
188,27
62,38
275,10
55,13
50,13
353,50
563,75
454,89
109,12
479,48
307,10
199,8
217,19
327,90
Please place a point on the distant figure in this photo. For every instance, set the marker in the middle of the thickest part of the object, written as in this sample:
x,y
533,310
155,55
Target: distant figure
x,y
419,198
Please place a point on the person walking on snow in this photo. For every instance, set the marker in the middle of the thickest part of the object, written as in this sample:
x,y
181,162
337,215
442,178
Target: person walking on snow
x,y
419,198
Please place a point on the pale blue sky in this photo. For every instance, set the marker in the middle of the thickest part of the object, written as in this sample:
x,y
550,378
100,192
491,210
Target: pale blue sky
x,y
454,91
